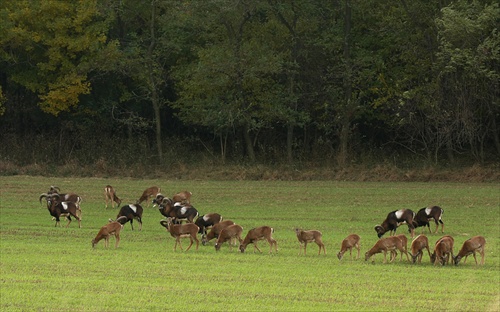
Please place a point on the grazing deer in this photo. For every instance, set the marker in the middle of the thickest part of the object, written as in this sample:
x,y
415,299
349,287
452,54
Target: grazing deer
x,y
112,228
228,234
256,234
417,246
442,250
470,246
347,244
148,193
110,195
384,245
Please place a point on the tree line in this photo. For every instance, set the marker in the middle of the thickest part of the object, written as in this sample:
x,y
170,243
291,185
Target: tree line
x,y
250,80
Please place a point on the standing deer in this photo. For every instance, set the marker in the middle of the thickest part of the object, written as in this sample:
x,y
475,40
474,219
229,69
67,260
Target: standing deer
x,y
182,230
305,237
110,195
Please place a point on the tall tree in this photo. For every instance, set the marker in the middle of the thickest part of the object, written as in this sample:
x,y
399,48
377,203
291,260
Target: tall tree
x,y
348,106
230,85
147,59
50,47
469,67
294,16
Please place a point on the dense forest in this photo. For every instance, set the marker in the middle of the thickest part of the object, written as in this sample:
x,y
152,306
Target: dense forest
x,y
167,84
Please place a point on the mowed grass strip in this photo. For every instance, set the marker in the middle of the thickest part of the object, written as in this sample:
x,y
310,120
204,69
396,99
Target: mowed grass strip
x,y
47,268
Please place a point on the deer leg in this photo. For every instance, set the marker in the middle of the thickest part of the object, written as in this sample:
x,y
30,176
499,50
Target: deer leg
x,y
140,223
197,242
474,254
406,253
256,247
117,236
178,240
191,243
69,221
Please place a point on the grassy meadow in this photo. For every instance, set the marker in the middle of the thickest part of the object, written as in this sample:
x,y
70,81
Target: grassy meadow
x,y
49,268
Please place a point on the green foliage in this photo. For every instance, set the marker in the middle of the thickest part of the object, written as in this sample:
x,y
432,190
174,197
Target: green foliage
x,y
144,273
51,46
262,80
469,39
231,81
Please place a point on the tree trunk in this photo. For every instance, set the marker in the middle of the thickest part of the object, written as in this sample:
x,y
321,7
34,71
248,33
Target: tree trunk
x,y
291,25
248,143
223,146
156,108
155,98
496,139
347,109
289,143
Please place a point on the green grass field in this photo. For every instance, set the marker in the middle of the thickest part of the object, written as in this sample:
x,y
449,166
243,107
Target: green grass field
x,y
47,268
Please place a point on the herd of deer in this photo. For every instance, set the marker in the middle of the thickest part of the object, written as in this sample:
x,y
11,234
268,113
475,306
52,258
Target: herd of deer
x,y
68,205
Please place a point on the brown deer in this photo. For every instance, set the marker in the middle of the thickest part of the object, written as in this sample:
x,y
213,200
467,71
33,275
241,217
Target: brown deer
x,y
182,230
404,244
385,245
110,195
183,197
256,234
148,193
442,250
417,246
112,228
347,244
215,231
305,237
470,246
227,234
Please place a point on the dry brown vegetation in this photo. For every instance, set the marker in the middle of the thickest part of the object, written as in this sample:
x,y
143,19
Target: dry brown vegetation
x,y
204,171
